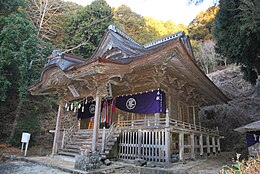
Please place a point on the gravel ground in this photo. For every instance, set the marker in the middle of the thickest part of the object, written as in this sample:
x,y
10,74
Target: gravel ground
x,y
21,167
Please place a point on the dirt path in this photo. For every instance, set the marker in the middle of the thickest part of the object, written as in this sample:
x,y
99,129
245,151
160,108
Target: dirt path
x,y
21,167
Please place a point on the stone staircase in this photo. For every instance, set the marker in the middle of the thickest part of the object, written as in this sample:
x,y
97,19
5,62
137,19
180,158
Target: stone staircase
x,y
82,141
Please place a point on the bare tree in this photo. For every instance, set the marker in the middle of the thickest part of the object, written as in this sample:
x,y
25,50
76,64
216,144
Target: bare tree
x,y
207,58
45,15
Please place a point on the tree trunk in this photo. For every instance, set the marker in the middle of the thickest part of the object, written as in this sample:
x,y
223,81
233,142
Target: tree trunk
x,y
17,115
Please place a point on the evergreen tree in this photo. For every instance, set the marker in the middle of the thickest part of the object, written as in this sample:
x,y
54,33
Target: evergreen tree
x,y
237,35
18,47
200,28
133,24
86,28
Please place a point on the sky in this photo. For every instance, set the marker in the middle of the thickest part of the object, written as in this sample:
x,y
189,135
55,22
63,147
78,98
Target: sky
x,y
176,10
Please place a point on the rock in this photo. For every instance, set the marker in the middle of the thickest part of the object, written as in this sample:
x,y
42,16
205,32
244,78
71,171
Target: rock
x,y
107,162
139,162
149,164
9,156
87,162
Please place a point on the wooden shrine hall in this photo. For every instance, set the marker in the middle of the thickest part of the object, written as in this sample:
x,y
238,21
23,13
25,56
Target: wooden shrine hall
x,y
156,90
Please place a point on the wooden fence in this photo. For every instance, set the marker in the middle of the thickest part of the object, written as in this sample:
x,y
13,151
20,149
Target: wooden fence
x,y
145,144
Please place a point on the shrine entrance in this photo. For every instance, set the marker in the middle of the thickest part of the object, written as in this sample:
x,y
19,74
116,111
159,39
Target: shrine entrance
x,y
87,123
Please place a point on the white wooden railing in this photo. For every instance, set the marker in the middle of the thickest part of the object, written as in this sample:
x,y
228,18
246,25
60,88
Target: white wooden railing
x,y
165,122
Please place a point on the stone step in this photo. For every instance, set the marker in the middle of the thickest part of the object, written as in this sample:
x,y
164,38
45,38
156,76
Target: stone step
x,y
67,153
69,146
71,150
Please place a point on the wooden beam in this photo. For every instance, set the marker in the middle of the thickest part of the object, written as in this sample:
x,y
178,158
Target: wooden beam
x,y
57,129
96,122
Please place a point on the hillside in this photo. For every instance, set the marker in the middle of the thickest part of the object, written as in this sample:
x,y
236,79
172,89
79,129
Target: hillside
x,y
243,108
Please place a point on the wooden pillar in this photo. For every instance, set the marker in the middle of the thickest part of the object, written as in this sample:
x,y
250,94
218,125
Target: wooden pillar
x,y
201,145
208,145
96,123
194,116
218,144
192,146
214,145
181,146
169,102
168,142
57,129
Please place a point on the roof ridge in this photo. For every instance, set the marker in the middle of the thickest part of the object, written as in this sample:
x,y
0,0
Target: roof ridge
x,y
122,33
164,39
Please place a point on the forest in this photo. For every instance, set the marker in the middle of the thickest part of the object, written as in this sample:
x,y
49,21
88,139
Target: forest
x,y
227,33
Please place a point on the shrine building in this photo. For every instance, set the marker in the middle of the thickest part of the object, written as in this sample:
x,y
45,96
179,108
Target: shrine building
x,y
132,100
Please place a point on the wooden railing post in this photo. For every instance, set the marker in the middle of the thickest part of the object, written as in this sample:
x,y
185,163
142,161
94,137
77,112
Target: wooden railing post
x,y
167,121
103,140
63,139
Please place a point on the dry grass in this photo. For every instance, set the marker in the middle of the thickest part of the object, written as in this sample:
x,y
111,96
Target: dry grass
x,y
250,166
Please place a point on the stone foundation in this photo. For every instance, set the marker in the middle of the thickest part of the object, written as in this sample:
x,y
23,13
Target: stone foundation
x,y
87,162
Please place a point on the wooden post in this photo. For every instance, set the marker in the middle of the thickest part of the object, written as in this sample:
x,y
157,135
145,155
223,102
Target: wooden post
x,y
201,145
181,146
208,145
157,117
214,145
96,123
132,118
218,144
192,146
168,139
167,121
139,143
57,129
